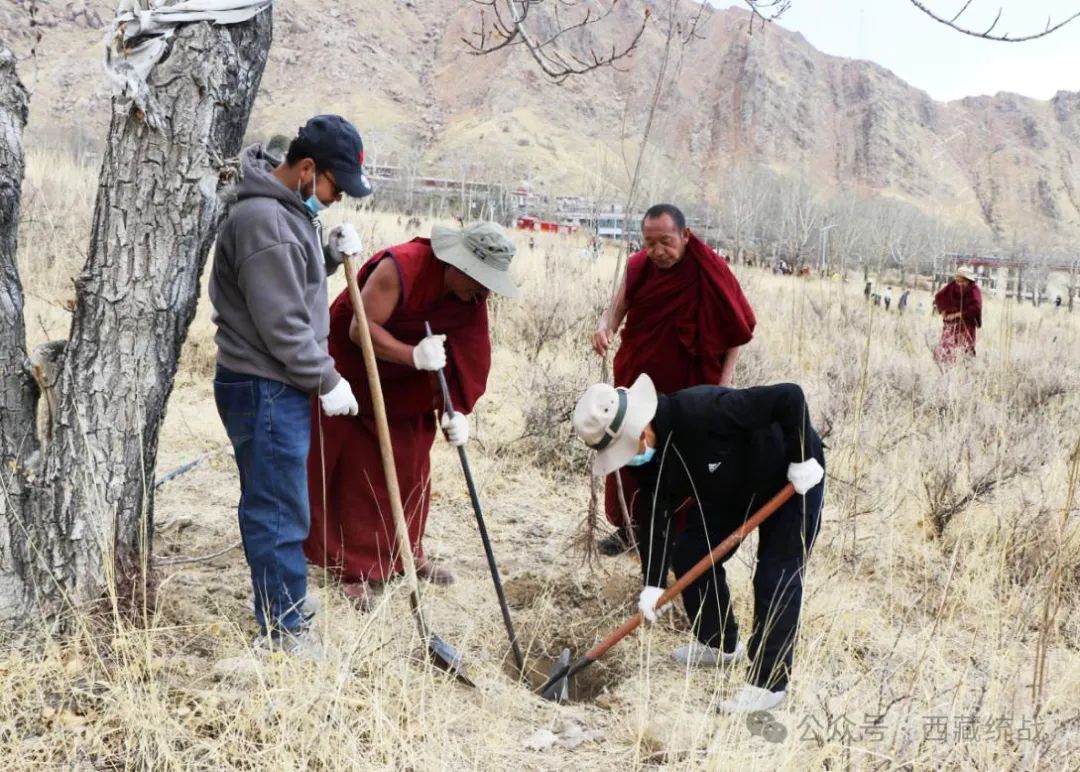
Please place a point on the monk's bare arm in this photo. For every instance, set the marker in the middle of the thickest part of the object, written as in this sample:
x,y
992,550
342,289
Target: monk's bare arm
x,y
610,321
727,366
380,296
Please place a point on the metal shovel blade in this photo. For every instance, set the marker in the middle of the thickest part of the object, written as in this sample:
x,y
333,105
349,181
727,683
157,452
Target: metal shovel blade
x,y
557,687
447,658
559,690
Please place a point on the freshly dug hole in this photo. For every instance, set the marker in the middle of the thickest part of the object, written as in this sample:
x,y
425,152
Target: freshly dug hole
x,y
584,686
553,613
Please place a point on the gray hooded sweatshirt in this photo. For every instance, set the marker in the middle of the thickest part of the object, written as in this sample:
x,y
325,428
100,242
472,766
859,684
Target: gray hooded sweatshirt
x,y
268,284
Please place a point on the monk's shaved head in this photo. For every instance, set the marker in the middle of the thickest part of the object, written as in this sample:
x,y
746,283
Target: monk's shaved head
x,y
659,210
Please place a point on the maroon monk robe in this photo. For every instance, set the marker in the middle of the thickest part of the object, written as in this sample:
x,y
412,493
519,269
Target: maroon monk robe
x,y
679,324
958,335
352,528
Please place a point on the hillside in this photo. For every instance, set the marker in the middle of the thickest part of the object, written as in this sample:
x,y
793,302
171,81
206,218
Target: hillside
x,y
401,71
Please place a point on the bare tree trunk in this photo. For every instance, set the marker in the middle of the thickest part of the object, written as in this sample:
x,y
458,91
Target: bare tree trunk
x,y
18,397
87,518
1072,285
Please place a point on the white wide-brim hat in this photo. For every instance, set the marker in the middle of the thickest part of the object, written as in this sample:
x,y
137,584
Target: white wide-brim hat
x,y
481,251
610,421
966,273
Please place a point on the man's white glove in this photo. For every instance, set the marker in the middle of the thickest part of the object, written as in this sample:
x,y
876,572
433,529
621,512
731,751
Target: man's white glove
x,y
456,428
430,353
339,400
344,241
647,603
805,475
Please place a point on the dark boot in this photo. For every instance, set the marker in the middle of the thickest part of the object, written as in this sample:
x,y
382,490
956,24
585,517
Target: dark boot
x,y
615,543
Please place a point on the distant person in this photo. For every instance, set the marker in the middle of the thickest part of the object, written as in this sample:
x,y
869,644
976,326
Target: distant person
x,y
445,280
888,297
960,304
901,305
532,243
866,291
686,317
268,290
1057,302
731,450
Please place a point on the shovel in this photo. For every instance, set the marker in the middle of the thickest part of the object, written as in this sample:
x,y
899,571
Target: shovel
x,y
519,660
441,653
557,687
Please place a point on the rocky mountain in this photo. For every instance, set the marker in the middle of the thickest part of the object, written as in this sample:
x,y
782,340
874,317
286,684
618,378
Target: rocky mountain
x,y
401,71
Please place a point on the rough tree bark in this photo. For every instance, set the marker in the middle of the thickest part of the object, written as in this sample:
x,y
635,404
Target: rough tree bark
x,y
79,525
18,397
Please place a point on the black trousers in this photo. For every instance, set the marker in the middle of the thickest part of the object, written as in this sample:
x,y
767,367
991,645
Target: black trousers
x,y
785,540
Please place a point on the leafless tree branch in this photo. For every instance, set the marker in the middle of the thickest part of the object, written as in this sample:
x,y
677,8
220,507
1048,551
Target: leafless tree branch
x,y
988,33
504,23
768,10
765,11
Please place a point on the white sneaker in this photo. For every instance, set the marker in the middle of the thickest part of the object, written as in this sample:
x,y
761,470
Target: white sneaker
x,y
696,654
303,644
751,699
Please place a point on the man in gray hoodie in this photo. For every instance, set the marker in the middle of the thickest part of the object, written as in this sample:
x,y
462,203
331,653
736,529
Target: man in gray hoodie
x,y
268,289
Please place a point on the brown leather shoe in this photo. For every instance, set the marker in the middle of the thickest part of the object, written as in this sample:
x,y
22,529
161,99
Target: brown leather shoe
x,y
359,594
434,572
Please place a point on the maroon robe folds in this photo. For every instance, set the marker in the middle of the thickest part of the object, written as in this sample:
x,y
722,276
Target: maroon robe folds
x,y
680,322
958,335
352,529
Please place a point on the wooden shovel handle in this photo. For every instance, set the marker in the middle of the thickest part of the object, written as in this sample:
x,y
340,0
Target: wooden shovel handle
x,y
386,450
703,565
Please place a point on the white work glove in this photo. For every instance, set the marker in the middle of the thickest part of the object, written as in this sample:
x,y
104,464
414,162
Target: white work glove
x,y
805,475
647,603
344,241
430,353
456,428
339,400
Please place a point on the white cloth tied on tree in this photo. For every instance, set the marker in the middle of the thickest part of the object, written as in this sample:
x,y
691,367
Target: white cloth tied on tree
x,y
139,37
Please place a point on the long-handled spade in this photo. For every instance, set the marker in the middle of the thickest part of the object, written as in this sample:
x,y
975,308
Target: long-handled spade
x,y
557,686
441,653
519,660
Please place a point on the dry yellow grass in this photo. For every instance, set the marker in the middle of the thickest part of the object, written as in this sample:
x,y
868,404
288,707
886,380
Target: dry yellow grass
x,y
933,623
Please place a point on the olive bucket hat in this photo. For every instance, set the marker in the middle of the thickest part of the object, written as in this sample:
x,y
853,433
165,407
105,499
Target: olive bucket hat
x,y
480,250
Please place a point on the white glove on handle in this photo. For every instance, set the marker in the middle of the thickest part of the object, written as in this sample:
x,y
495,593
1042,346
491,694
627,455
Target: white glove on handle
x,y
430,353
456,428
805,475
647,603
344,241
339,400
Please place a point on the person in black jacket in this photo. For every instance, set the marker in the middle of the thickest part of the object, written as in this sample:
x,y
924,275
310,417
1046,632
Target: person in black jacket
x,y
730,450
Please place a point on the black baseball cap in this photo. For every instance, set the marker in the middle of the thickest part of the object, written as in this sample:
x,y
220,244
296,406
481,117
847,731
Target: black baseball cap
x,y
335,144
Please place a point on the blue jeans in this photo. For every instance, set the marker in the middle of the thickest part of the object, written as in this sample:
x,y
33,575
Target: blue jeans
x,y
269,425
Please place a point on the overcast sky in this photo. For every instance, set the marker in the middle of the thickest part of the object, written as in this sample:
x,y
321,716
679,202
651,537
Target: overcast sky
x,y
942,62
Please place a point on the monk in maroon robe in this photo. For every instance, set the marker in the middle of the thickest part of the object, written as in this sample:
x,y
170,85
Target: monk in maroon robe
x,y
960,304
403,287
686,317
